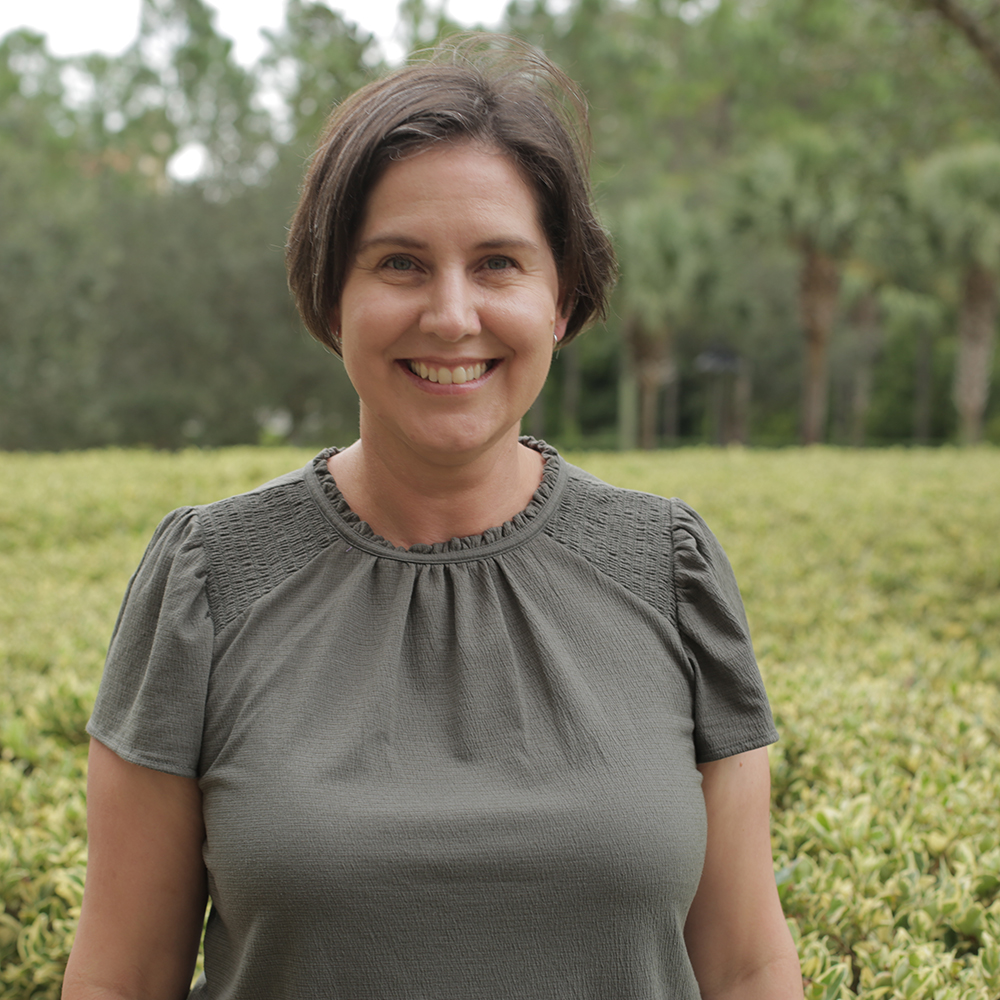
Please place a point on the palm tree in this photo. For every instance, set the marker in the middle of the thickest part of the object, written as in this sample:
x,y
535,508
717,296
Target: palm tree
x,y
957,192
807,191
664,265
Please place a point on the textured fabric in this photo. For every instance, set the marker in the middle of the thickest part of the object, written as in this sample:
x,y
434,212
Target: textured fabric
x,y
463,771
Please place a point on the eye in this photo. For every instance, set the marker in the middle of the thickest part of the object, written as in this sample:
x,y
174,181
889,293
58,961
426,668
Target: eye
x,y
498,263
399,264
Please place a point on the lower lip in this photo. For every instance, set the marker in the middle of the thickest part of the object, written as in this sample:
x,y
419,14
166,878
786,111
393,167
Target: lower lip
x,y
436,389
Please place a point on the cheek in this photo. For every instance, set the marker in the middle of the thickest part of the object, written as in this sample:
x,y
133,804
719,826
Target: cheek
x,y
529,317
371,322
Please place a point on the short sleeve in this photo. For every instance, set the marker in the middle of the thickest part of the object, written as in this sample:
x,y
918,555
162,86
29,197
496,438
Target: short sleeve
x,y
151,703
731,711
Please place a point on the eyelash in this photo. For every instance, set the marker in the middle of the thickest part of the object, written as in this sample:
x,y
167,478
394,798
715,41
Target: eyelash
x,y
507,262
390,263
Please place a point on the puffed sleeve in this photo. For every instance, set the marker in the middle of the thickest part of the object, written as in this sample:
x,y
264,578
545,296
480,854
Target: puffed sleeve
x,y
151,703
731,711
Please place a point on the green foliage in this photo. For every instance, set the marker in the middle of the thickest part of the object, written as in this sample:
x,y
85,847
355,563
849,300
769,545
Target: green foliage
x,y
874,598
957,193
317,60
666,259
72,529
138,310
807,191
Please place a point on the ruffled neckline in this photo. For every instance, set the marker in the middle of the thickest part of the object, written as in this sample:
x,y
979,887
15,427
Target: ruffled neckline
x,y
352,525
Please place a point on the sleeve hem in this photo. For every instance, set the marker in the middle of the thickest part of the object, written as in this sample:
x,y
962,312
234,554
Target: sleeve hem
x,y
753,741
133,756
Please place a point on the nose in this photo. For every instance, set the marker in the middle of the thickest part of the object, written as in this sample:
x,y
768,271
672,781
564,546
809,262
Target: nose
x,y
451,311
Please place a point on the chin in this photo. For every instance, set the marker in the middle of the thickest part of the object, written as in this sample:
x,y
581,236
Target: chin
x,y
454,443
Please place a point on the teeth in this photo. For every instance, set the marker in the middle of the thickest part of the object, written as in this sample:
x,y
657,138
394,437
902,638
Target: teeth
x,y
449,376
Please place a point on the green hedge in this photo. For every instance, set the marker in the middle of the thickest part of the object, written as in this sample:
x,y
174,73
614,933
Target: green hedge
x,y
872,584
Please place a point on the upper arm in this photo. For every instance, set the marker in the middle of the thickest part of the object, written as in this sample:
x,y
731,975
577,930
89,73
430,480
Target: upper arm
x,y
736,933
144,900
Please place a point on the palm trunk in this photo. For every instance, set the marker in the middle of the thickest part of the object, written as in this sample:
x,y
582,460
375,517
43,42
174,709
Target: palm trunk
x,y
819,288
923,388
671,409
655,372
648,397
651,366
977,324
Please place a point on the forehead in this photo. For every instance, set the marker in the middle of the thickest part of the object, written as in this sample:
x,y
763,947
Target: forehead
x,y
448,179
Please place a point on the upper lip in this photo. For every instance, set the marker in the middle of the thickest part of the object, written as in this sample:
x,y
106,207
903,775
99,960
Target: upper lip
x,y
449,363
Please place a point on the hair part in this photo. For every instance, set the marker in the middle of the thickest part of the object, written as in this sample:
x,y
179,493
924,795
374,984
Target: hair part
x,y
488,89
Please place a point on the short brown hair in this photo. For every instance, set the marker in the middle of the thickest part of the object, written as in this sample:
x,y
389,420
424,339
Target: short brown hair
x,y
484,88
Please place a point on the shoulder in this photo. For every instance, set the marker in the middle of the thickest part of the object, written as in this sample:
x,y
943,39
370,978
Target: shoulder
x,y
595,500
249,518
254,540
627,534
657,547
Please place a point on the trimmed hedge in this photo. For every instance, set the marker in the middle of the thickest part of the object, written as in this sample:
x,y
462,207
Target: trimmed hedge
x,y
872,584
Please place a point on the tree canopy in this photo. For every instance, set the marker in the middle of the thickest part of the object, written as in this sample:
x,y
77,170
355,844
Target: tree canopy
x,y
802,193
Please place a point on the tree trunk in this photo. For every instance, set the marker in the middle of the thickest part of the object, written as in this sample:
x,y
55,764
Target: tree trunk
x,y
958,14
572,384
671,409
923,389
819,288
977,324
742,397
716,410
653,368
649,392
628,392
865,321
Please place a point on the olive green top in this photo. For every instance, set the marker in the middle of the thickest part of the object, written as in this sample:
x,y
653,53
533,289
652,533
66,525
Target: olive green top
x,y
463,771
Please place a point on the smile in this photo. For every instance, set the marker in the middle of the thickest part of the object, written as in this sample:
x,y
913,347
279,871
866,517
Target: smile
x,y
458,375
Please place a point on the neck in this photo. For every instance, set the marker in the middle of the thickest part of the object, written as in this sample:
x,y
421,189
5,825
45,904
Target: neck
x,y
415,501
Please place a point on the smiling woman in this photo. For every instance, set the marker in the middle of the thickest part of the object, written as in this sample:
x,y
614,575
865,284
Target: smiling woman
x,y
439,716
449,315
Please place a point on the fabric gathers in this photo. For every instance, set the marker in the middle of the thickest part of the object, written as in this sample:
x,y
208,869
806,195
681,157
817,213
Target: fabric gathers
x,y
459,771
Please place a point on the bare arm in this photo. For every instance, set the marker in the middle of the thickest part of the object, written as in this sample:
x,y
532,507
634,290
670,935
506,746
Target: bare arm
x,y
144,900
736,934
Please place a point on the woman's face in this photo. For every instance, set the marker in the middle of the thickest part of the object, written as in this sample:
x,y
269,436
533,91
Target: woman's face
x,y
450,304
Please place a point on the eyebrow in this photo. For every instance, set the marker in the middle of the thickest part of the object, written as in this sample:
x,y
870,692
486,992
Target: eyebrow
x,y
409,243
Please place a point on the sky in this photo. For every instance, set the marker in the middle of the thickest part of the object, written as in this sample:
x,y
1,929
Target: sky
x,y
74,27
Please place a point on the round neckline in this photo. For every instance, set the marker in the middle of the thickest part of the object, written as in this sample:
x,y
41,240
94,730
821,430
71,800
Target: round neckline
x,y
520,528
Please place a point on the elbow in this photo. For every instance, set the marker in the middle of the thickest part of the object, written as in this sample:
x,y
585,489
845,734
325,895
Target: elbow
x,y
778,977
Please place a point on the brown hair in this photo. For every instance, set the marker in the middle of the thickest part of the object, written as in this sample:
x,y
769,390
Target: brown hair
x,y
484,88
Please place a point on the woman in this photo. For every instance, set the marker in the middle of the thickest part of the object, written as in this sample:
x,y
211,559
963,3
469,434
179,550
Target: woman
x,y
438,716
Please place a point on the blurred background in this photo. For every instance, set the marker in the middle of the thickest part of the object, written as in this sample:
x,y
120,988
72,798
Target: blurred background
x,y
805,196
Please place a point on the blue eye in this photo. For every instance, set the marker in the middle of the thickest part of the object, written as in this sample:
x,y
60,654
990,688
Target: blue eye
x,y
399,263
498,263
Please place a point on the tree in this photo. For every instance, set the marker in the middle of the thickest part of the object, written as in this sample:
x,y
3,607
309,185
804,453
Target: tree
x,y
316,60
665,269
975,22
958,193
807,191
